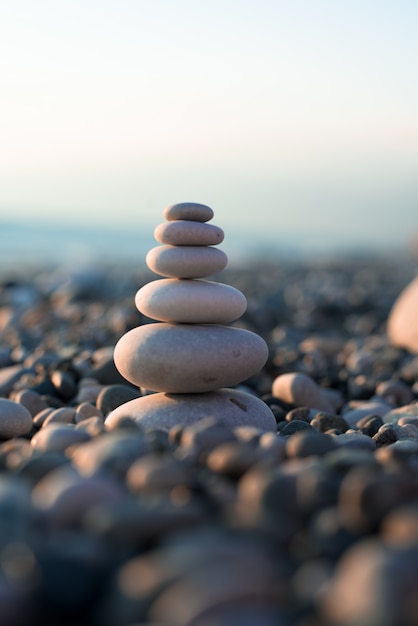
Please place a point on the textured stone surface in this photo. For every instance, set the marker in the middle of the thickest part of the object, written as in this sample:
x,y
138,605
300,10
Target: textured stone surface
x,y
163,410
186,261
188,233
181,358
190,301
402,324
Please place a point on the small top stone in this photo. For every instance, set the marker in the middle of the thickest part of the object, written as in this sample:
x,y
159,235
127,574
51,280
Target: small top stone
x,y
188,211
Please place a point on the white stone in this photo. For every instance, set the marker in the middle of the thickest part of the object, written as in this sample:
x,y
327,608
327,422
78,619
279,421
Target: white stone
x,y
189,358
186,261
188,233
162,410
402,324
190,301
188,211
301,390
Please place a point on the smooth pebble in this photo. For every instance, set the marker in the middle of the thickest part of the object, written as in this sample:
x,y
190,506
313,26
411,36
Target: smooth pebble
x,y
193,211
180,358
166,410
15,419
190,301
301,390
188,233
186,261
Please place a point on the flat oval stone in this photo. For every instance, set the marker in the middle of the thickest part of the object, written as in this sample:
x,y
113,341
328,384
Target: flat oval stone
x,y
188,233
163,411
192,211
186,261
190,301
182,358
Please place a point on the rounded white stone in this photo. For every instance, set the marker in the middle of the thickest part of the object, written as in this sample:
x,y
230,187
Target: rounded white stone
x,y
186,261
190,301
301,390
186,358
188,211
162,411
188,233
402,325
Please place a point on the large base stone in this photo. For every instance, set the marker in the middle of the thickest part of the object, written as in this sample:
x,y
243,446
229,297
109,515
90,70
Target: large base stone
x,y
163,410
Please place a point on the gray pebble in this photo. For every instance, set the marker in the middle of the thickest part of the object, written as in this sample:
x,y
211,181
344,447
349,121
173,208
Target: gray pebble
x,y
308,443
39,418
58,437
15,419
113,396
158,472
112,452
395,392
233,458
10,375
64,415
367,494
295,426
94,426
64,497
354,439
206,434
86,410
31,400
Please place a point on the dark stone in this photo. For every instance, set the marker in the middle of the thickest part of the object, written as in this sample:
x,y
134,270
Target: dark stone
x,y
323,422
385,435
294,427
44,386
112,396
309,443
64,384
367,494
375,585
107,374
301,413
370,424
328,533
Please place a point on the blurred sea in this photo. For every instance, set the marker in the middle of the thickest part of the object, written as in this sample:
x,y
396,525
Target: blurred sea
x,y
41,244
23,244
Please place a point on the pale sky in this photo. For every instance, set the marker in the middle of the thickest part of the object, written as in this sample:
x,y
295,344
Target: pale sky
x,y
285,116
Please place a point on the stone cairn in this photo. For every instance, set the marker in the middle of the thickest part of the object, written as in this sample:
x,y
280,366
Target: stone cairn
x,y
189,356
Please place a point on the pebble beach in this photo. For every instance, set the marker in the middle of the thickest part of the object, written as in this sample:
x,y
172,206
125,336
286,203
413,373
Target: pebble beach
x,y
209,524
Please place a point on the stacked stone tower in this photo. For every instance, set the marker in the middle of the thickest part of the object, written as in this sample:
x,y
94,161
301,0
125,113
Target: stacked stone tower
x,y
189,356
